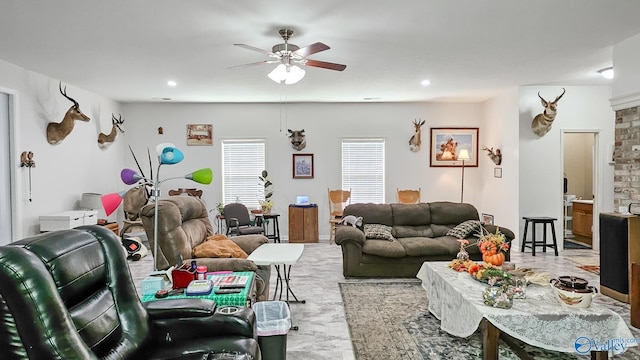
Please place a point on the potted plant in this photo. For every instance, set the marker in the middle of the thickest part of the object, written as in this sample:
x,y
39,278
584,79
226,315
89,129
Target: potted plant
x,y
267,203
220,208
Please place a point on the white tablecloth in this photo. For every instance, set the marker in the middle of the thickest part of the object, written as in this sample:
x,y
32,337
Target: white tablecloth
x,y
539,320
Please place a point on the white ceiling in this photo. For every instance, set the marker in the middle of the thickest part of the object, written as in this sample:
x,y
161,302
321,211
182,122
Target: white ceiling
x,y
469,49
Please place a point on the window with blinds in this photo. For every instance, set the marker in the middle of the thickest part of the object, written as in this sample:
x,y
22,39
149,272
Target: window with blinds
x,y
363,169
242,163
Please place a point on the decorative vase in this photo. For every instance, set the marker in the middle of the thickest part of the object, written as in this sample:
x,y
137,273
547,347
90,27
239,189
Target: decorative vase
x,y
266,210
498,296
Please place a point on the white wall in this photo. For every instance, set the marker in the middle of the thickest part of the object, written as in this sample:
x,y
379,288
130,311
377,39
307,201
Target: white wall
x,y
499,196
541,163
626,56
325,126
62,171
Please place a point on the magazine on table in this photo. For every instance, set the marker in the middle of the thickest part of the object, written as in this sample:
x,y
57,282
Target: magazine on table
x,y
225,279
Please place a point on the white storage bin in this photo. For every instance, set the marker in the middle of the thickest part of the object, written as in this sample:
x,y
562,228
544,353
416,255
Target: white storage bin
x,y
62,221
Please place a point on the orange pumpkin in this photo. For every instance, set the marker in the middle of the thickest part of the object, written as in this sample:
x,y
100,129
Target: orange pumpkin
x,y
487,247
494,259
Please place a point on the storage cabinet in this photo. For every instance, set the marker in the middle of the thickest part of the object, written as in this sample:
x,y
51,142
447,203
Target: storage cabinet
x,y
619,247
582,219
303,224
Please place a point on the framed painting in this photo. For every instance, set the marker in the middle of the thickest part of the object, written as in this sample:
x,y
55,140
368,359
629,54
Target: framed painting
x,y
446,144
199,134
303,166
487,219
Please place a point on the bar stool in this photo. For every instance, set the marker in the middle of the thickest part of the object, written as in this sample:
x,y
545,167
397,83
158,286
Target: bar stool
x,y
544,221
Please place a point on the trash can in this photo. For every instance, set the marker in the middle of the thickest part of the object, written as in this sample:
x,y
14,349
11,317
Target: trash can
x,y
273,323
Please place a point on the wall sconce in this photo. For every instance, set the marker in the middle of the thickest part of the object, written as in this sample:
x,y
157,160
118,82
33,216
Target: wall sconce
x,y
26,160
607,73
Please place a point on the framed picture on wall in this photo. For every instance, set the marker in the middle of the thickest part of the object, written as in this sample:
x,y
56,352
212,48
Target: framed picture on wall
x,y
487,219
199,134
446,144
303,166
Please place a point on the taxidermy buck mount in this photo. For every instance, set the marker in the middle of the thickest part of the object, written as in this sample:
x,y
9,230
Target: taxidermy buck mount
x,y
541,124
298,139
56,132
496,156
111,137
415,142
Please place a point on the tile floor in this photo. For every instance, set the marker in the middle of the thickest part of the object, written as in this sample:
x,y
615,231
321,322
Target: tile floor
x,y
323,332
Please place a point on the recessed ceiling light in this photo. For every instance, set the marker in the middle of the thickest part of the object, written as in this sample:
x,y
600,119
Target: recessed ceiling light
x,y
425,82
171,83
606,73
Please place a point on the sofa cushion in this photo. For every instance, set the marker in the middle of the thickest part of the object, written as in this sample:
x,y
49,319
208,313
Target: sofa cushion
x,y
371,213
219,246
452,214
384,248
413,231
378,231
422,246
411,214
465,229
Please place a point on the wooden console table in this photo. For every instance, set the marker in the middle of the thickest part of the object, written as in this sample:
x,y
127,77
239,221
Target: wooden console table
x,y
303,223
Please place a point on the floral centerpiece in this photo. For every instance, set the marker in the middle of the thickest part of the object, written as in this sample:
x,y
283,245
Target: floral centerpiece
x,y
493,246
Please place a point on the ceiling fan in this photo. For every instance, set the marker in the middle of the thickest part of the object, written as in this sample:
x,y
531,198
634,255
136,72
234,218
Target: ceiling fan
x,y
288,56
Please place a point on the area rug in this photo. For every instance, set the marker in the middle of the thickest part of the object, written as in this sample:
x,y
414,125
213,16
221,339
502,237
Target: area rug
x,y
592,260
390,321
591,268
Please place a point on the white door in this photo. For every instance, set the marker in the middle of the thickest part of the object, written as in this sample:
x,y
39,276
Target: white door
x,y
5,176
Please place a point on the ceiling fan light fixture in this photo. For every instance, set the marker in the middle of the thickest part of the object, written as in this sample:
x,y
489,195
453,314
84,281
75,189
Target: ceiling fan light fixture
x,y
288,74
607,73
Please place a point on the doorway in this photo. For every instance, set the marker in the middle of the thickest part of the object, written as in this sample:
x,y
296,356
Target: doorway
x,y
6,200
579,180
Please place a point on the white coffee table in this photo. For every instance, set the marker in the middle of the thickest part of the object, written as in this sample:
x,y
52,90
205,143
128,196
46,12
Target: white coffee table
x,y
279,254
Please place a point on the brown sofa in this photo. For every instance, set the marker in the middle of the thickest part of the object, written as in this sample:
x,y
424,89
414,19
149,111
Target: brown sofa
x,y
183,224
420,235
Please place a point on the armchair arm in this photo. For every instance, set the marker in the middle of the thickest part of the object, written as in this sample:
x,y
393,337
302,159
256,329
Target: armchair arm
x,y
186,319
507,233
249,243
344,233
220,264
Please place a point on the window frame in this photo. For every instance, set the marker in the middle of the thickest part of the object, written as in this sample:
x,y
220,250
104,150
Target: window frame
x,y
356,193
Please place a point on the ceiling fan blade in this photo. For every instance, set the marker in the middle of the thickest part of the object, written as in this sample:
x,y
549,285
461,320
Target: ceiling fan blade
x,y
253,64
325,65
311,49
249,47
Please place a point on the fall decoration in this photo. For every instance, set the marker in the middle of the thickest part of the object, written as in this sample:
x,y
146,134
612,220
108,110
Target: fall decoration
x,y
492,246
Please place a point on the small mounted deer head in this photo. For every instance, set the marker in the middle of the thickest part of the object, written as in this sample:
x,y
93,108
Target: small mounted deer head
x,y
111,137
298,139
541,124
56,132
496,156
415,141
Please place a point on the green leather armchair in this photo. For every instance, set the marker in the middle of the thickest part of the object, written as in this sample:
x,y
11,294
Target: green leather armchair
x,y
69,295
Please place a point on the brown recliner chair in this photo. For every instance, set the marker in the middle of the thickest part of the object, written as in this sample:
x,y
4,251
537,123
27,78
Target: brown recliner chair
x,y
183,223
69,295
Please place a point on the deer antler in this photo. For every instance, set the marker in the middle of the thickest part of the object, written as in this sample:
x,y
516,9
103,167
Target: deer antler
x,y
64,93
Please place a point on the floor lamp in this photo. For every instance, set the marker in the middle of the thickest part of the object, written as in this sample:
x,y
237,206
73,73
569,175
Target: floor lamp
x,y
463,155
167,155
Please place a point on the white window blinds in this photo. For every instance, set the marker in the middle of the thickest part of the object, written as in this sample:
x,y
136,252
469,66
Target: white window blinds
x,y
363,169
242,163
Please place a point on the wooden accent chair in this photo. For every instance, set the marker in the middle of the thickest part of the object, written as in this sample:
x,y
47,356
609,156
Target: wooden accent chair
x,y
408,196
338,199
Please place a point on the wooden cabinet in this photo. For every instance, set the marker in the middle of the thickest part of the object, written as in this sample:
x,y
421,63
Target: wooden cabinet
x,y
582,219
303,224
619,248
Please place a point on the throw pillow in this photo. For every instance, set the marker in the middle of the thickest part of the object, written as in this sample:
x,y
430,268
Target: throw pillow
x,y
464,229
219,246
378,231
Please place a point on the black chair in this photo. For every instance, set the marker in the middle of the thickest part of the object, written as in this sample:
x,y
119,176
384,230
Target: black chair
x,y
69,295
238,221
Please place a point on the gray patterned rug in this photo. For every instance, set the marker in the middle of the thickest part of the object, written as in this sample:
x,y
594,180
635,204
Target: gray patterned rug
x,y
390,321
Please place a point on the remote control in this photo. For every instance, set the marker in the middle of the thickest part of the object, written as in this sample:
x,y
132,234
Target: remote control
x,y
227,291
231,286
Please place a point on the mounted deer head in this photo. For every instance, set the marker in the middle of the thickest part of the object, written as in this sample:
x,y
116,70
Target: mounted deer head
x,y
56,132
415,141
116,125
496,156
298,139
541,124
